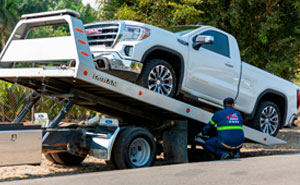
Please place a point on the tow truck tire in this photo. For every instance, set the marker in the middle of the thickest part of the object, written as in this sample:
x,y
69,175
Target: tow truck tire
x,y
134,148
158,76
49,158
65,158
267,118
111,164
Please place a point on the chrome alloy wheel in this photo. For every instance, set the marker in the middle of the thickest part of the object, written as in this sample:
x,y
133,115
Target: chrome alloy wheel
x,y
160,80
269,120
139,152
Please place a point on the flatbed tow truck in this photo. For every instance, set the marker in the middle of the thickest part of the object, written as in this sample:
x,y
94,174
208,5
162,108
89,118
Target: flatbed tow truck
x,y
147,119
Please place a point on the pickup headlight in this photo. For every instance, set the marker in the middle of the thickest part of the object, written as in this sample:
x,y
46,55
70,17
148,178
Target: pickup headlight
x,y
133,33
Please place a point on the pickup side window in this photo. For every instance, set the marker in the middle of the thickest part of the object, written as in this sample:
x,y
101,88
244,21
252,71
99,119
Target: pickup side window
x,y
220,45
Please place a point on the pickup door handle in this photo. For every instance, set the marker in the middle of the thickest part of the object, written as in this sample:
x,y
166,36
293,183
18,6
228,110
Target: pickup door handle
x,y
228,64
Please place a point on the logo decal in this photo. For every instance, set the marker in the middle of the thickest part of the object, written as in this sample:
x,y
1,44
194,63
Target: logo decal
x,y
105,80
108,122
93,31
233,118
41,116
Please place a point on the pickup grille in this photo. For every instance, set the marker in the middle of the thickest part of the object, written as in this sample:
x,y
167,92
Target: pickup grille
x,y
102,34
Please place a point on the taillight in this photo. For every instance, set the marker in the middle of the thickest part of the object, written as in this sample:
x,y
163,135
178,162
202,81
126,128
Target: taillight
x,y
298,98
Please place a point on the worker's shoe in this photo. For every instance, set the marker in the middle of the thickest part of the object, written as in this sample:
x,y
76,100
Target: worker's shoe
x,y
237,155
227,155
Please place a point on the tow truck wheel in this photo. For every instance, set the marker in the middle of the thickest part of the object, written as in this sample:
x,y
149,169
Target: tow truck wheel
x,y
65,158
267,118
111,164
49,157
158,76
134,148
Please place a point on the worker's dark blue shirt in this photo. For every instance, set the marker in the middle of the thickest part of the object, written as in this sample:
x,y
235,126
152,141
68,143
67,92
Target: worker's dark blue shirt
x,y
229,125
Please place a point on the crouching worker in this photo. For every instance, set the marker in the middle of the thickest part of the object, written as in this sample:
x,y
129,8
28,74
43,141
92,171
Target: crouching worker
x,y
226,132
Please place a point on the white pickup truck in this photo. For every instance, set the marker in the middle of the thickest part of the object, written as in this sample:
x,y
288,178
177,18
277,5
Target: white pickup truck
x,y
202,63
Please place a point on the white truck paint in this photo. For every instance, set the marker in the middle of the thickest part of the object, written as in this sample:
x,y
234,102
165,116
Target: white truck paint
x,y
206,74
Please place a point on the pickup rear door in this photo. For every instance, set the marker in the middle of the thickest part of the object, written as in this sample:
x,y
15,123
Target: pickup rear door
x,y
213,73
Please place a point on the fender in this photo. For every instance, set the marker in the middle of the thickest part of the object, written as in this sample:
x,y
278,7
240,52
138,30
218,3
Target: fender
x,y
251,116
181,60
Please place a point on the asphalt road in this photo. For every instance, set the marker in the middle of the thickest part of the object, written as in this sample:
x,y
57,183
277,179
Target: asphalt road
x,y
275,170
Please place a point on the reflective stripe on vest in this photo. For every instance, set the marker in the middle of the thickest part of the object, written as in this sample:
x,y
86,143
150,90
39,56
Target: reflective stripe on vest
x,y
236,127
212,122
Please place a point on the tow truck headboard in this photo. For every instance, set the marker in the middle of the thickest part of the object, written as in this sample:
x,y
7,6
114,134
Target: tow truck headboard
x,y
66,48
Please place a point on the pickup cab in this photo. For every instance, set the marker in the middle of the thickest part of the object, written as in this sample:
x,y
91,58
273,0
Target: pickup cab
x,y
199,63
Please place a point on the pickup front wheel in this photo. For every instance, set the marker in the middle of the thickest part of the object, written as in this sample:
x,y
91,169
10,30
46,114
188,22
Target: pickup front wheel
x,y
267,118
158,76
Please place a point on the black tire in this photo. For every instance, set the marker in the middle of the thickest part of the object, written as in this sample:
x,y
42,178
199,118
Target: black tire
x,y
65,158
124,147
156,84
49,157
111,164
267,118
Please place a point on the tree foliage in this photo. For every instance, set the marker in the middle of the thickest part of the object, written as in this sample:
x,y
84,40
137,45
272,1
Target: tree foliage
x,y
267,30
7,20
156,12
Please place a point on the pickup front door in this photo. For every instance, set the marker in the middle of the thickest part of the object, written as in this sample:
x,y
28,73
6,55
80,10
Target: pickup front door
x,y
212,73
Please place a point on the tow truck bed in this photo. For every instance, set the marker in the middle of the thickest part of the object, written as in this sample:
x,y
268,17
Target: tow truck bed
x,y
98,98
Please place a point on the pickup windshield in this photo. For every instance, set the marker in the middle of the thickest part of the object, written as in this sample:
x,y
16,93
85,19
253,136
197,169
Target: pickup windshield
x,y
182,30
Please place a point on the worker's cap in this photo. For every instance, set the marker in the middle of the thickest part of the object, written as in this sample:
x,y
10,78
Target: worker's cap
x,y
228,101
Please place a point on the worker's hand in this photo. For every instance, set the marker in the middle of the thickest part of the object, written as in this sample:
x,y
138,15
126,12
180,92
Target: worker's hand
x,y
202,135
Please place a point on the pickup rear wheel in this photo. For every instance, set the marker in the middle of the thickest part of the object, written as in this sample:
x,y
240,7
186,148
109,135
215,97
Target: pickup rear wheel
x,y
158,76
267,118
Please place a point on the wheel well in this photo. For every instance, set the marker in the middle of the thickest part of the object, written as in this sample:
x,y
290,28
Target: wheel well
x,y
280,101
173,59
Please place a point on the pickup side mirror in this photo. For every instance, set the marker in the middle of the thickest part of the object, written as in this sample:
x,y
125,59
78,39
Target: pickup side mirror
x,y
202,40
